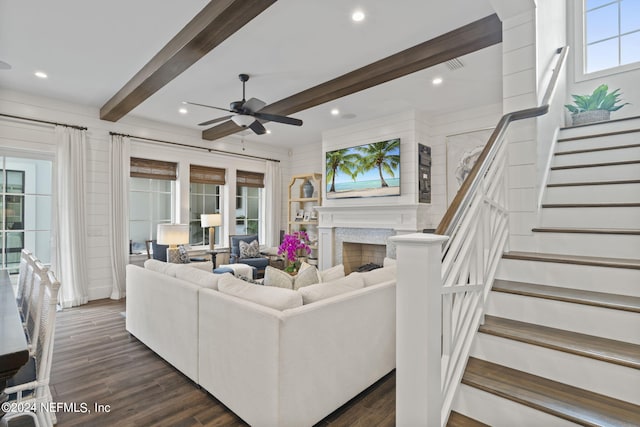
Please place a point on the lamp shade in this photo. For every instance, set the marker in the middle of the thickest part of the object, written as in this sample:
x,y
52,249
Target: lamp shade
x,y
173,234
210,220
243,120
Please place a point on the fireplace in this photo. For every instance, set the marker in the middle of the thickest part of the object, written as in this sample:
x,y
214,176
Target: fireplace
x,y
368,225
355,255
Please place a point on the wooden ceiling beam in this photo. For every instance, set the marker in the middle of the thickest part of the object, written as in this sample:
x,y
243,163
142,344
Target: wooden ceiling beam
x,y
477,35
211,26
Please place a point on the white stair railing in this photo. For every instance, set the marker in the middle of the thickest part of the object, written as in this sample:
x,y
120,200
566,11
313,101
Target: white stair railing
x,y
444,280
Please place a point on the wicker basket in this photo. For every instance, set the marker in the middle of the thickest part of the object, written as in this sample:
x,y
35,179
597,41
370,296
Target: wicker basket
x,y
590,117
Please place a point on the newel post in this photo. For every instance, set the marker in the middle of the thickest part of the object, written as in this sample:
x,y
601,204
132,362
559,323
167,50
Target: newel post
x,y
418,329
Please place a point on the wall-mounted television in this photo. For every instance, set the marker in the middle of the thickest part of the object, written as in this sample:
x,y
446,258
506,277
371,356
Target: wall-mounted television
x,y
368,170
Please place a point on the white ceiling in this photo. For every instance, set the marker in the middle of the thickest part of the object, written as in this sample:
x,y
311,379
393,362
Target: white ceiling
x,y
91,49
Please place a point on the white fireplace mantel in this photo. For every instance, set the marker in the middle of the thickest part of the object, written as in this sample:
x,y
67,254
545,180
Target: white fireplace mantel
x,y
401,218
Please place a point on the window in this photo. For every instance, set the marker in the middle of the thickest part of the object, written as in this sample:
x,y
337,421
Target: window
x,y
151,199
25,188
249,190
611,34
205,186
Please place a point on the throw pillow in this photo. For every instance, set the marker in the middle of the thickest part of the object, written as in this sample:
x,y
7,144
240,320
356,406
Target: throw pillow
x,y
249,250
379,275
184,255
277,278
306,276
276,298
388,262
333,273
322,291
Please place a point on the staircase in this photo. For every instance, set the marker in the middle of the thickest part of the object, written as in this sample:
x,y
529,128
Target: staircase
x,y
560,344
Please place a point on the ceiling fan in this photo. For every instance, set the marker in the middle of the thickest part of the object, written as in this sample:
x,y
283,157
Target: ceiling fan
x,y
246,113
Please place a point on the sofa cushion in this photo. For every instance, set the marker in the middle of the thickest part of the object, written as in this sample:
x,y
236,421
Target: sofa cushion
x,y
206,266
269,296
277,278
379,275
333,273
155,265
320,291
206,279
307,275
249,250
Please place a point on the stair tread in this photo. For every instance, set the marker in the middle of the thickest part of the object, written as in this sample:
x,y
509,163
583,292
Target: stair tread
x,y
577,184
592,150
612,351
562,400
456,419
599,135
578,296
624,231
591,205
595,165
574,259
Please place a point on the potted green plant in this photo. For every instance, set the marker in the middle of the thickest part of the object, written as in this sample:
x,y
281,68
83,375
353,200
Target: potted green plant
x,y
596,107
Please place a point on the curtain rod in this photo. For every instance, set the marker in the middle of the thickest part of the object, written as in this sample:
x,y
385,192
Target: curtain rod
x,y
43,121
210,150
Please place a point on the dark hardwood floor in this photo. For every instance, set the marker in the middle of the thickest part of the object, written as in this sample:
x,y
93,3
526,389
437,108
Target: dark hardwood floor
x,y
96,361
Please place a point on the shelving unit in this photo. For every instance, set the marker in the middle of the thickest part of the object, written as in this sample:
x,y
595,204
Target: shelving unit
x,y
301,216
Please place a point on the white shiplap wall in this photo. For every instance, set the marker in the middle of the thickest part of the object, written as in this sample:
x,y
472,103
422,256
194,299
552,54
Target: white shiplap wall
x,y
445,125
22,135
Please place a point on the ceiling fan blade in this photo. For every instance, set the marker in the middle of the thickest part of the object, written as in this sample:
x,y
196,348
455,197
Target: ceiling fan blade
x,y
207,106
280,119
257,128
253,105
212,121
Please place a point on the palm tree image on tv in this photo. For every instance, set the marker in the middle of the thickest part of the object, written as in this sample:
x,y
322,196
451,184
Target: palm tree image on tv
x,y
364,171
382,156
341,161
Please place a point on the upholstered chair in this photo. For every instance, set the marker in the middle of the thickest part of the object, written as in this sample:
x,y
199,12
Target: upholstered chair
x,y
250,255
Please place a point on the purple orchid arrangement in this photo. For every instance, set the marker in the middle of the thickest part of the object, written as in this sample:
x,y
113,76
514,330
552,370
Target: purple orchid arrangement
x,y
293,244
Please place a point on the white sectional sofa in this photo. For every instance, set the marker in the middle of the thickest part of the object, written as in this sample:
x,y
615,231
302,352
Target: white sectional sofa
x,y
271,367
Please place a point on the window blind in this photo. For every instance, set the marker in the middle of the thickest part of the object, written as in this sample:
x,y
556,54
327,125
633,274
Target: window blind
x,y
206,175
154,169
250,179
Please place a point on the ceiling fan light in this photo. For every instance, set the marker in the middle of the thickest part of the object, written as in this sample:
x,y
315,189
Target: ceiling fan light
x,y
243,120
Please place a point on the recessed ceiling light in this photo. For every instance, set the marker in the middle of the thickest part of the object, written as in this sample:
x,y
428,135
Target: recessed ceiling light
x,y
268,131
335,112
183,111
437,81
357,16
40,74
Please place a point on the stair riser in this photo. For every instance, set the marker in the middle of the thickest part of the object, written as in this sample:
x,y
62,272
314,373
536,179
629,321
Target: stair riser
x,y
607,323
616,155
598,174
626,138
601,217
601,377
496,411
621,281
598,245
619,193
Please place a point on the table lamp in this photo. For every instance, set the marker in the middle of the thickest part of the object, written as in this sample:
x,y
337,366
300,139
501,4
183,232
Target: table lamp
x,y
173,235
211,221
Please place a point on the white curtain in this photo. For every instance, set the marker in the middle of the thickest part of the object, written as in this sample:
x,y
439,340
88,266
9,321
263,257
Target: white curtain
x,y
69,258
273,203
119,212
